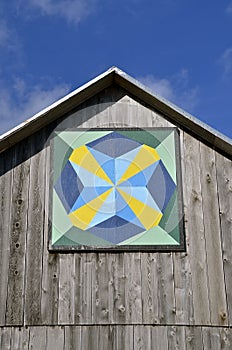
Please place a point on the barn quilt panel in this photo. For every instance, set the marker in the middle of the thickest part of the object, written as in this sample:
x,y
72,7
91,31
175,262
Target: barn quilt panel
x,y
116,189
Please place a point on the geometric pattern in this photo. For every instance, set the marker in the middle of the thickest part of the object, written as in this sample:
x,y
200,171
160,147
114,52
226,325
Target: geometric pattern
x,y
115,188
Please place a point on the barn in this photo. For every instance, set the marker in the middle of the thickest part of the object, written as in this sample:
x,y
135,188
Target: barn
x,y
115,225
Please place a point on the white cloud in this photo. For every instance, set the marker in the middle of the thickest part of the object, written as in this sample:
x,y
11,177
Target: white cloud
x,y
9,41
71,10
175,89
226,61
4,33
21,102
229,8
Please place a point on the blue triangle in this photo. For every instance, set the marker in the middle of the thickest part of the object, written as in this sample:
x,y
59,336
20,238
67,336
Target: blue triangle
x,y
88,194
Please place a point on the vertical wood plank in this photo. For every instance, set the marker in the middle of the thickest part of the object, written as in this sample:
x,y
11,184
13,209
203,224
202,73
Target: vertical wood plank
x,y
142,337
226,338
5,338
149,288
193,336
50,279
166,296
38,338
55,338
102,291
176,338
195,229
224,180
111,287
118,112
217,296
211,338
87,289
183,289
159,338
78,318
66,289
18,233
133,294
19,339
119,289
33,288
72,337
124,337
102,301
181,261
106,337
5,218
90,337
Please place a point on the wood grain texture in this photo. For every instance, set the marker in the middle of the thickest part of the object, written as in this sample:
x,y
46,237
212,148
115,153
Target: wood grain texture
x,y
55,338
110,337
5,338
166,297
181,263
50,277
102,298
90,340
119,289
176,338
193,336
38,338
211,338
79,280
133,300
226,338
142,337
195,229
87,288
149,282
124,337
159,338
216,283
35,237
20,339
67,296
18,234
72,336
224,180
5,219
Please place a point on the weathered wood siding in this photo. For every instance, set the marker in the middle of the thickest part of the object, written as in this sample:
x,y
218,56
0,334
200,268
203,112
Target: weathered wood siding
x,y
139,337
133,290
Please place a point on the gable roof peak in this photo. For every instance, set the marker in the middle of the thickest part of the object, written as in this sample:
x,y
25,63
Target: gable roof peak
x,y
115,75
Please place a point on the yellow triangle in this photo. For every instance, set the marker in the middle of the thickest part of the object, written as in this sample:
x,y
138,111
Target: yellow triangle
x,y
81,156
145,157
84,215
148,216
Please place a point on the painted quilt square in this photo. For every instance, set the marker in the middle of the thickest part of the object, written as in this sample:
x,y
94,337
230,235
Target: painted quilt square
x,y
116,189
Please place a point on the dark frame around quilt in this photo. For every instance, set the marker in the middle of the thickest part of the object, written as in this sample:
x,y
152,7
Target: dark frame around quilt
x,y
116,190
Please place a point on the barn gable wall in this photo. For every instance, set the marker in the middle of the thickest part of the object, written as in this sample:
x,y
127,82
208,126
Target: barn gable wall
x,y
94,289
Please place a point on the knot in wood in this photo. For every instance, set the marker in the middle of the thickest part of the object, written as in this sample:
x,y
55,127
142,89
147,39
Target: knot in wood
x,y
208,178
122,308
223,315
17,225
195,195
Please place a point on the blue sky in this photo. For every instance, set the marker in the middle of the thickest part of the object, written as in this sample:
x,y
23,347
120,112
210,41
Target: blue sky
x,y
181,49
